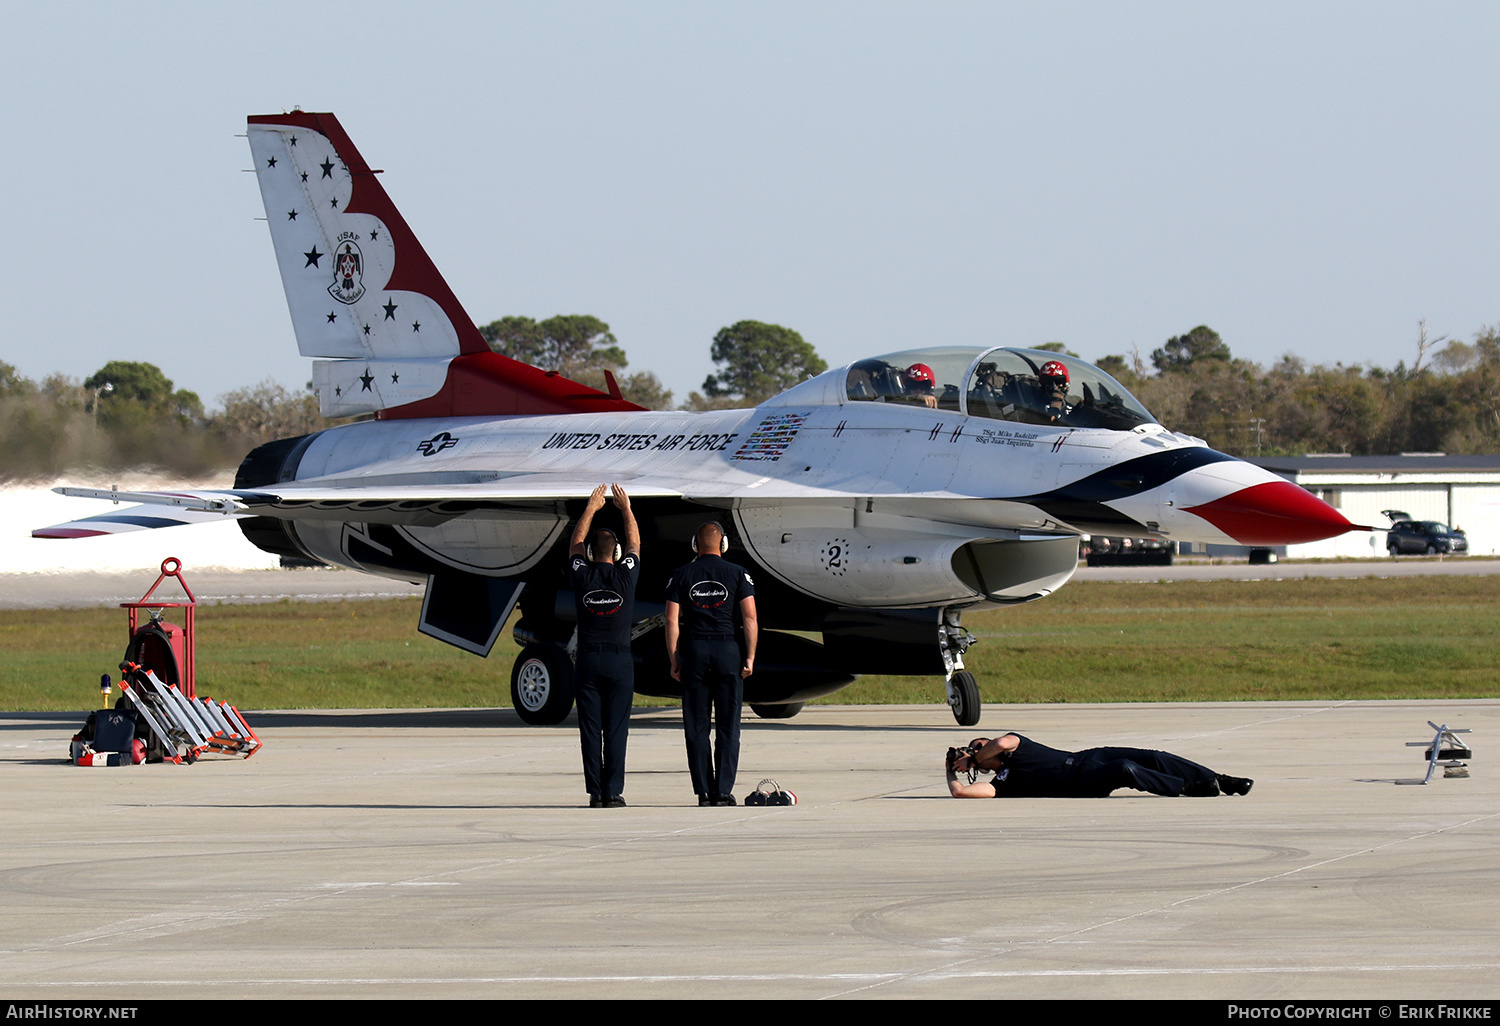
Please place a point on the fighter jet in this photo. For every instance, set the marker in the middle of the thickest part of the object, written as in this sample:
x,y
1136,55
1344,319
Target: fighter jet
x,y
873,504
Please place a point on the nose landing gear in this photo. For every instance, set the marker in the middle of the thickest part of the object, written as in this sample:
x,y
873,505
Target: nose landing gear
x,y
963,689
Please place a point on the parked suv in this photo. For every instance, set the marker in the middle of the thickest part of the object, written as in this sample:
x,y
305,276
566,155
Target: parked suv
x,y
1429,536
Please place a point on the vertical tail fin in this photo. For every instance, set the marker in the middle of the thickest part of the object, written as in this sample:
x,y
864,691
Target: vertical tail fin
x,y
364,293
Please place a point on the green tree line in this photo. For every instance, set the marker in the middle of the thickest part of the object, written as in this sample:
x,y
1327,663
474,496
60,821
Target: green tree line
x,y
128,415
1194,384
755,360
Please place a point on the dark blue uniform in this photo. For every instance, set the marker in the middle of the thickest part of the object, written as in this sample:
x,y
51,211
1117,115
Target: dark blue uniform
x,y
604,678
1036,771
708,592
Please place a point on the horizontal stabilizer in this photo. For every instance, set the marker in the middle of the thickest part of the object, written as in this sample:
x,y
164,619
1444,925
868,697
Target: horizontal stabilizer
x,y
127,519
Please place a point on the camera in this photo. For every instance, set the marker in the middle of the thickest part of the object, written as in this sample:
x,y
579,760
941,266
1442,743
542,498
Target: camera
x,y
968,751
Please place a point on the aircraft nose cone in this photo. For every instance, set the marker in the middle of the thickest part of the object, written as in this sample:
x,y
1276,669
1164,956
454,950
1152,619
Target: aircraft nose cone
x,y
1274,513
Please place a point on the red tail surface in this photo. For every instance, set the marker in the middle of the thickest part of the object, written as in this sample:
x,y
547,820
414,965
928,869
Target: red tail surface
x,y
364,293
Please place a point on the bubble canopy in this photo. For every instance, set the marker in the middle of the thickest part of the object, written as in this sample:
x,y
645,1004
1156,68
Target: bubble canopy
x,y
1027,386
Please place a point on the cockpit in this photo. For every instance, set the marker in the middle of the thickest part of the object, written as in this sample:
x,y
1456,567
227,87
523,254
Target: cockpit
x,y
1027,386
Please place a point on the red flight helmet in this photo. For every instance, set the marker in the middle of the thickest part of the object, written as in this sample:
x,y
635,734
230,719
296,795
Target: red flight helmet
x,y
919,376
1055,371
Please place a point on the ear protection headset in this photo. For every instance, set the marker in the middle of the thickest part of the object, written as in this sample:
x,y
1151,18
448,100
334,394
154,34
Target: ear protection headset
x,y
723,538
588,549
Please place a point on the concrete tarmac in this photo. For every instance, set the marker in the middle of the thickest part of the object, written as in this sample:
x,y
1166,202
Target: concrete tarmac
x,y
438,854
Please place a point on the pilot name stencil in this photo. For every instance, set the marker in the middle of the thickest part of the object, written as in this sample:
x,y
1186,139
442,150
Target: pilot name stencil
x,y
1000,436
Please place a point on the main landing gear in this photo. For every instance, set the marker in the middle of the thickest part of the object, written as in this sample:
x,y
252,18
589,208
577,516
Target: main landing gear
x,y
541,684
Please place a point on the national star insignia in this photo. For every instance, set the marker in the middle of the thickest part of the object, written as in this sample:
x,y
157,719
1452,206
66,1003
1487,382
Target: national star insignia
x,y
327,167
293,141
291,215
271,162
332,317
365,379
416,325
367,329
395,378
374,234
334,202
390,309
304,176
313,257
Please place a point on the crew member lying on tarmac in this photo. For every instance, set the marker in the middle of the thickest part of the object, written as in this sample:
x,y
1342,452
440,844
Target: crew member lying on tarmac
x,y
1025,769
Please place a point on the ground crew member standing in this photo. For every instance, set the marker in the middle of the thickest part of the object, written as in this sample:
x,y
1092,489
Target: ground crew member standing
x,y
704,599
603,578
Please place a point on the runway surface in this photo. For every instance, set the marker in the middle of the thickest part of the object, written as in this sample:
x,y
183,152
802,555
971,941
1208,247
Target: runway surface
x,y
65,589
441,854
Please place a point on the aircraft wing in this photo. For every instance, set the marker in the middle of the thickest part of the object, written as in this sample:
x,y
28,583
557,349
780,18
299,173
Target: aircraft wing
x,y
391,499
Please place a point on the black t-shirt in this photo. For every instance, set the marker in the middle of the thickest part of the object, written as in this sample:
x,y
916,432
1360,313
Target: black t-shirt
x,y
708,591
604,594
1033,771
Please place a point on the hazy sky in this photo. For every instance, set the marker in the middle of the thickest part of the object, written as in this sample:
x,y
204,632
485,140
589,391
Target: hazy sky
x,y
1305,177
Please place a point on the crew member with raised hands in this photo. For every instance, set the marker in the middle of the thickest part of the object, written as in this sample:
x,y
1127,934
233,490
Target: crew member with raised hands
x,y
604,575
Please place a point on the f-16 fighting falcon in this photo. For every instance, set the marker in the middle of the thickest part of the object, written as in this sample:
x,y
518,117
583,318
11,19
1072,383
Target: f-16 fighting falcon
x,y
874,504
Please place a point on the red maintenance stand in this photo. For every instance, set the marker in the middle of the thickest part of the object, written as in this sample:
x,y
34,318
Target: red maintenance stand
x,y
165,649
159,678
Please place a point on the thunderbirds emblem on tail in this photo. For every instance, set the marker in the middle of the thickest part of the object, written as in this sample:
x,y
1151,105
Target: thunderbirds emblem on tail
x,y
348,266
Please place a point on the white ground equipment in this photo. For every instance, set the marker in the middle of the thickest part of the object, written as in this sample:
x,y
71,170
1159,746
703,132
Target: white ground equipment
x,y
1445,750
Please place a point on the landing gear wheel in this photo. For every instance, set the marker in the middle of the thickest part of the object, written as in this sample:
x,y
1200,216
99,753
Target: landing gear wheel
x,y
777,712
965,698
541,685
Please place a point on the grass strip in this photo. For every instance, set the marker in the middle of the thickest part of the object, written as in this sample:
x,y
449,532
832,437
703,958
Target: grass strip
x,y
1187,641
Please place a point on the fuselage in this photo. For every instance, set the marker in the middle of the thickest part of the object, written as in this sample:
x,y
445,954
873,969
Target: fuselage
x,y
852,503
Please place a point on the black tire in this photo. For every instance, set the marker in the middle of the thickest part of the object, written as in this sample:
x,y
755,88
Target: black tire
x,y
541,685
1431,549
966,700
784,711
1393,549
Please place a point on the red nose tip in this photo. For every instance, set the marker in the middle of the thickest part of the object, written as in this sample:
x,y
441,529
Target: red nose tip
x,y
1274,513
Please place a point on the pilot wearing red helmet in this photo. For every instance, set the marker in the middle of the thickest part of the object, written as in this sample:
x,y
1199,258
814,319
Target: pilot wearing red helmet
x,y
918,381
1053,377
